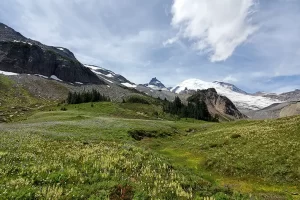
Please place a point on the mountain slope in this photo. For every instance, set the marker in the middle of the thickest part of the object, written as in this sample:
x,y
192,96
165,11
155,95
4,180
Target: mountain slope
x,y
19,54
287,96
274,111
237,96
231,87
110,77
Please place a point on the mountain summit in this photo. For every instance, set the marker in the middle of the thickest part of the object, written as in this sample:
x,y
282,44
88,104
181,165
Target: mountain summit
x,y
230,86
22,55
155,84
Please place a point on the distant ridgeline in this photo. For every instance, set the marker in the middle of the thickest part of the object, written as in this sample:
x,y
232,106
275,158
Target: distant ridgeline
x,y
85,97
194,109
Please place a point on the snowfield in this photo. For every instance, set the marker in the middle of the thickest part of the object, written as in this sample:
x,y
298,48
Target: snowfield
x,y
241,100
8,73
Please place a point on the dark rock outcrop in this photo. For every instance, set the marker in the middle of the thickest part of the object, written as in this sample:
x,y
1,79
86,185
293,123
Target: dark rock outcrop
x,y
22,55
217,104
155,84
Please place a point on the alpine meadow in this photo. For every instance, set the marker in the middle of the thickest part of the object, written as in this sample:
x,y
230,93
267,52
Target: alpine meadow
x,y
218,120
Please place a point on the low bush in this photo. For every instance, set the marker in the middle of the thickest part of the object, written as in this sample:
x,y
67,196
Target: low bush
x,y
141,134
137,99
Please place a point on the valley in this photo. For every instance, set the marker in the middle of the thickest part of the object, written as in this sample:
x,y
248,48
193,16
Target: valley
x,y
86,152
79,131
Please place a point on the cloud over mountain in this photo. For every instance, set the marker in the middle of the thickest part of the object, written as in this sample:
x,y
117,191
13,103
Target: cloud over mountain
x,y
216,27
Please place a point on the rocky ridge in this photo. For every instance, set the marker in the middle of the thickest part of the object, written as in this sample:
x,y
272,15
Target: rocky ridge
x,y
21,55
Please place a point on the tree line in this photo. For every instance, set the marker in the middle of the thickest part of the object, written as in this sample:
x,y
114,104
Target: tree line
x,y
85,97
197,109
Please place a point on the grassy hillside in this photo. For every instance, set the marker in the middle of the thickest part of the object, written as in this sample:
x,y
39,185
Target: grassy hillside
x,y
16,102
11,94
86,152
109,150
250,156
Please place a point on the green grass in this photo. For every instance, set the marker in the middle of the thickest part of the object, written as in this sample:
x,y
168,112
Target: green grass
x,y
92,156
16,103
249,156
87,152
12,95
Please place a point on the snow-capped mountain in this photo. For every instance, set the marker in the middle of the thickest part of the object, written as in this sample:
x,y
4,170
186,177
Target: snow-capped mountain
x,y
110,76
231,87
155,84
239,97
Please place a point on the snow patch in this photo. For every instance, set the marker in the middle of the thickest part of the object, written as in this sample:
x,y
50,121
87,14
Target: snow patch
x,y
41,76
59,48
8,73
55,78
129,85
92,67
154,87
107,80
22,42
109,75
79,83
97,72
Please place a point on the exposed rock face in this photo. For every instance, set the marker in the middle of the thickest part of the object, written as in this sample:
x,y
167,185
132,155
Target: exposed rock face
x,y
155,84
287,96
274,111
291,96
22,55
154,81
217,104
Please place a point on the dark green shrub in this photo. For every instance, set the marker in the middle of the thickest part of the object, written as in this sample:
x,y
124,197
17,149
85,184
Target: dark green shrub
x,y
235,135
140,134
63,109
121,192
137,99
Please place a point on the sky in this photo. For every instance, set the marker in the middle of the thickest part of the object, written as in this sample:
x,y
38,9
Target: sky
x,y
254,44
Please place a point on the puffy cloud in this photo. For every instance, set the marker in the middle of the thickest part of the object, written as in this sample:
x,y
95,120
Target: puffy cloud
x,y
217,27
230,79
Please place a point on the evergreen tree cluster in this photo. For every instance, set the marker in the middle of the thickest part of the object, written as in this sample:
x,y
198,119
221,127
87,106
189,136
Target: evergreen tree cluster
x,y
197,110
86,96
137,99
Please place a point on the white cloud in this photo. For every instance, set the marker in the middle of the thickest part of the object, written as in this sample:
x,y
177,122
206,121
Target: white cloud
x,y
170,41
216,27
230,79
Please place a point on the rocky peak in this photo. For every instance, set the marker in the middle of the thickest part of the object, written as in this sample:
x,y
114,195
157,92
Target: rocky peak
x,y
217,104
8,34
155,84
19,54
154,81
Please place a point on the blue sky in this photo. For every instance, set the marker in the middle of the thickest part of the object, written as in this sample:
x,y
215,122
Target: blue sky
x,y
254,44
